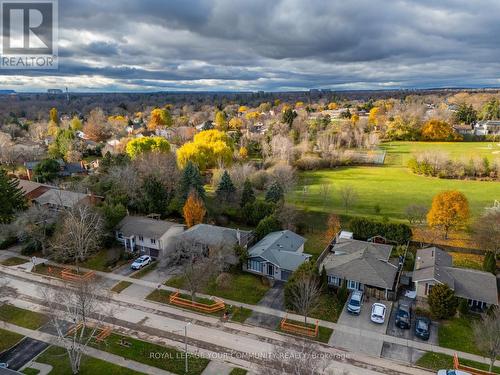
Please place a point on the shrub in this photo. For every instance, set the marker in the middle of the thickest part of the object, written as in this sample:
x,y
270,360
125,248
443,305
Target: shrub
x,y
463,307
366,228
253,213
7,241
442,301
490,262
267,225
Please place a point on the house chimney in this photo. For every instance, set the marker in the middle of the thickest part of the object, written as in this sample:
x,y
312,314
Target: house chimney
x,y
238,236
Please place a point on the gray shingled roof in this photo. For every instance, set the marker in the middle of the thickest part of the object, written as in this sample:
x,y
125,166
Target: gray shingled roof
x,y
282,249
58,197
215,236
361,261
435,264
144,226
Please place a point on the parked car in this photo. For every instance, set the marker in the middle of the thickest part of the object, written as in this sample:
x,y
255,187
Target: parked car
x,y
355,302
403,316
4,365
423,327
140,262
452,372
378,313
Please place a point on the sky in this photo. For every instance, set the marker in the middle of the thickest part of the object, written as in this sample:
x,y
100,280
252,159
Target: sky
x,y
270,45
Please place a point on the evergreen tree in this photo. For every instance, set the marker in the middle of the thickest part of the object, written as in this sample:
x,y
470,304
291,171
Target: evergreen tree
x,y
11,198
247,195
47,170
191,180
267,225
226,189
274,193
442,301
156,198
490,262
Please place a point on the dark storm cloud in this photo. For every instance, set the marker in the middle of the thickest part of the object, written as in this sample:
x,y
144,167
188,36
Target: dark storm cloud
x,y
281,44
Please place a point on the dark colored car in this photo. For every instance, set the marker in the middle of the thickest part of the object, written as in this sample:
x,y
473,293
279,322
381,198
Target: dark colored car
x,y
403,316
422,327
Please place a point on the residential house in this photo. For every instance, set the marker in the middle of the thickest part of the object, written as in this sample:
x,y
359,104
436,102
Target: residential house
x,y
33,189
58,200
360,265
464,129
66,169
147,236
434,266
488,127
277,255
208,237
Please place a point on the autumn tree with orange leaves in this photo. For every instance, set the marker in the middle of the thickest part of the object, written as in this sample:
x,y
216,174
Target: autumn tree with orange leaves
x,y
194,210
437,130
333,226
450,210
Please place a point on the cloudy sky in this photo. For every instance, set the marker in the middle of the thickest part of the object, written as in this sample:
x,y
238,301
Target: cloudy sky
x,y
235,45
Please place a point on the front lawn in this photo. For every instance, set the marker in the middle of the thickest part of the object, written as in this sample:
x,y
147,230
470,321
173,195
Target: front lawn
x,y
159,356
324,333
457,333
238,371
22,317
144,271
8,339
121,286
104,260
438,361
58,358
242,287
30,371
14,261
329,307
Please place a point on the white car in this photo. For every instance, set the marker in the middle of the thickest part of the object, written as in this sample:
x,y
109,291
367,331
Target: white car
x,y
141,262
378,313
452,372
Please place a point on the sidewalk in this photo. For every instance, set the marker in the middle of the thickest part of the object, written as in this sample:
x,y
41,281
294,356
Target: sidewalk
x,y
262,309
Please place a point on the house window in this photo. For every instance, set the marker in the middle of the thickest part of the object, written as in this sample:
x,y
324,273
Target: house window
x,y
120,235
332,280
141,238
153,241
255,265
352,285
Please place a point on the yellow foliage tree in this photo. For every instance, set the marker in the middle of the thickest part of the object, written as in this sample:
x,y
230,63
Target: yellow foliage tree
x,y
52,128
299,104
235,123
450,210
159,118
208,149
194,210
221,120
243,153
437,130
54,116
333,226
252,116
332,106
243,108
354,119
373,116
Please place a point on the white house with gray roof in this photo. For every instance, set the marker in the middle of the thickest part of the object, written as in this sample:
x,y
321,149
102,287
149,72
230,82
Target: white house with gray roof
x,y
277,255
360,265
147,236
435,266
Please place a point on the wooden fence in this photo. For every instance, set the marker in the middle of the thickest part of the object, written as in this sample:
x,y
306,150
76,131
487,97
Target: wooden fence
x,y
175,299
473,371
70,275
299,329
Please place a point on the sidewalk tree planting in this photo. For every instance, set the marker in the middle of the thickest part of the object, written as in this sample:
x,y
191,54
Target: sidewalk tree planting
x,y
487,335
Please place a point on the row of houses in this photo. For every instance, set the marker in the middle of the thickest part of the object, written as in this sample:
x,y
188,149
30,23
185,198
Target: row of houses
x,y
487,127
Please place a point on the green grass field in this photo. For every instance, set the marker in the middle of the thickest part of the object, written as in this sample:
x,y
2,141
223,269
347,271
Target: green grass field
x,y
392,186
22,317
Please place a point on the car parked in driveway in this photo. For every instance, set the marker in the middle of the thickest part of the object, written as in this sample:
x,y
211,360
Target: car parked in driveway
x,y
452,372
355,302
378,313
422,327
403,316
4,365
140,262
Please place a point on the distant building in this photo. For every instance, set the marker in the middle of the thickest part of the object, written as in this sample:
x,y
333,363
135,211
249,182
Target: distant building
x,y
66,169
54,91
488,127
33,190
58,200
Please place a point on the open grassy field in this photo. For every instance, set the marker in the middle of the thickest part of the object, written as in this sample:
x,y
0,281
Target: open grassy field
x,y
392,186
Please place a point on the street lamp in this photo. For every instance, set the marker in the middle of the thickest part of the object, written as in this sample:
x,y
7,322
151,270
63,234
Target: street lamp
x,y
186,345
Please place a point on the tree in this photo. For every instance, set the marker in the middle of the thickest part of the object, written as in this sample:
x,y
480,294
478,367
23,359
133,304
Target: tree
x,y
437,130
416,213
160,118
221,120
226,188
191,180
267,225
288,116
78,234
442,301
348,195
305,292
333,226
81,303
465,114
209,148
487,335
11,198
486,231
194,210
287,216
449,210
491,110
46,170
139,146
96,128
75,124
274,193
490,262
54,116
235,123
35,225
247,195
155,197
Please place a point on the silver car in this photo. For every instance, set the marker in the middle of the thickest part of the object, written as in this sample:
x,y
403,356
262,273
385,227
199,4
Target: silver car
x,y
355,302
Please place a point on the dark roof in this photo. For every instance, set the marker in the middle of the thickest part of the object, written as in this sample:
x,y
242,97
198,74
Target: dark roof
x,y
214,236
361,261
144,226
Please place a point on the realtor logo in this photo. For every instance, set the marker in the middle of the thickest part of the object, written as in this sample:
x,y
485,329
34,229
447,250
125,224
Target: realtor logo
x,y
29,34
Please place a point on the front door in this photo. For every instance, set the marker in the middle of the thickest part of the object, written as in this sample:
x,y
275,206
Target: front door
x,y
270,269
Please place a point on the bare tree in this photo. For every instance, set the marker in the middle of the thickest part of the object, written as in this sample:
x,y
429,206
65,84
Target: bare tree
x,y
284,175
34,224
79,234
325,191
416,213
348,196
287,216
304,293
81,305
487,231
487,335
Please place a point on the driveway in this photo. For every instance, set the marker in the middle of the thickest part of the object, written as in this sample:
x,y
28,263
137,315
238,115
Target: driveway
x,y
274,298
407,354
355,341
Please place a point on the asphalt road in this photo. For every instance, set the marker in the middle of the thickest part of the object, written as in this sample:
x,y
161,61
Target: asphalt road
x,y
22,353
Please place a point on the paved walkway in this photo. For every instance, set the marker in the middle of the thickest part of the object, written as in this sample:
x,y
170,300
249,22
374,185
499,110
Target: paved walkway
x,y
92,352
217,368
266,310
43,368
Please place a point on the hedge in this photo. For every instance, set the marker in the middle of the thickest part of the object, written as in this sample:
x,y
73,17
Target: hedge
x,y
366,228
